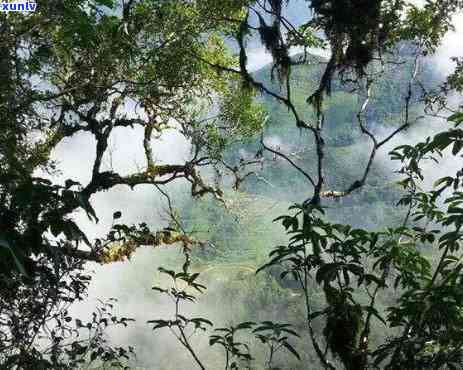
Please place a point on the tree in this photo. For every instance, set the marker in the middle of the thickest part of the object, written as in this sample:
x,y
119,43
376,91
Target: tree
x,y
170,63
343,260
74,67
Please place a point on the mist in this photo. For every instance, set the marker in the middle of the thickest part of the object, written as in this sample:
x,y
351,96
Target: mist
x,y
130,282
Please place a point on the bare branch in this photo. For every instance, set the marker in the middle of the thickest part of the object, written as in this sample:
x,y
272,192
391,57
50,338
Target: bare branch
x,y
376,145
289,160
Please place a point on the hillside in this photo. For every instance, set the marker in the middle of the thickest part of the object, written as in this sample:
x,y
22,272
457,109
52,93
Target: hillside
x,y
241,235
278,184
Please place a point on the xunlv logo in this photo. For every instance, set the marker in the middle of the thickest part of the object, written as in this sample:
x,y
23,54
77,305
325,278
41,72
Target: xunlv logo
x,y
18,7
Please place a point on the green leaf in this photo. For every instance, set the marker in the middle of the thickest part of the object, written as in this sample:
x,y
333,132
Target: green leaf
x,y
457,146
327,272
457,118
245,325
291,349
18,264
85,204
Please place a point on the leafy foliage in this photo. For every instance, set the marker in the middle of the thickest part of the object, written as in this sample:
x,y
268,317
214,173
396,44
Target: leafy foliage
x,y
95,66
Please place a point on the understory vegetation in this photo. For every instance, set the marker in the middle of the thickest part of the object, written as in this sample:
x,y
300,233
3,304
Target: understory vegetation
x,y
305,214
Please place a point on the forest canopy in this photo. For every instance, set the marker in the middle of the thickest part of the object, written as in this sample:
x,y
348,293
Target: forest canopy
x,y
362,267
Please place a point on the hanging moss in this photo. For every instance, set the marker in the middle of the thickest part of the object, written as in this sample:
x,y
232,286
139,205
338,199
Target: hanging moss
x,y
120,251
272,39
357,30
354,28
